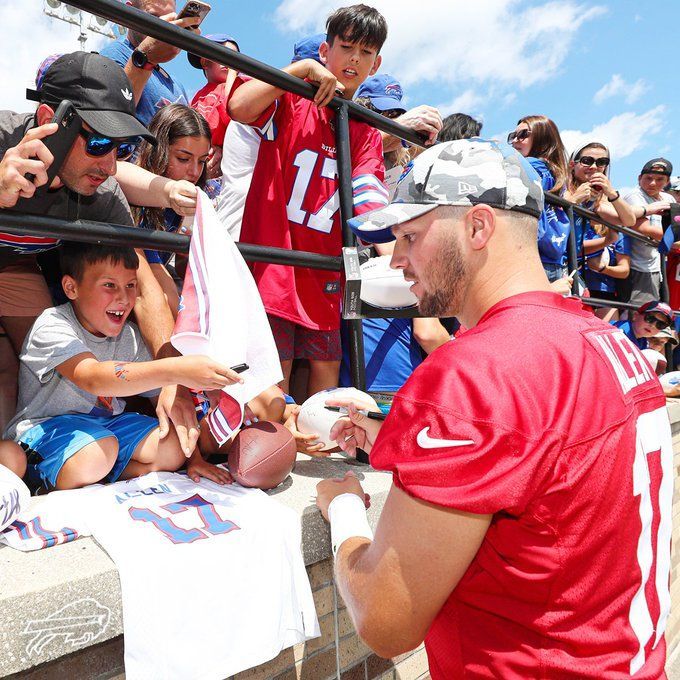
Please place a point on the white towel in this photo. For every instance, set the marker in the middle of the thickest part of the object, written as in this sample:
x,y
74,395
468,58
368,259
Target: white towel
x,y
221,315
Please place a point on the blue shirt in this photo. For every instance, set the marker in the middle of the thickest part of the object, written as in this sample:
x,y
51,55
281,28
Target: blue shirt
x,y
553,224
173,222
627,328
391,354
602,282
160,90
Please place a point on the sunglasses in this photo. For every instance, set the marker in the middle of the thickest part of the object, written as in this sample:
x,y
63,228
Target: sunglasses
x,y
597,162
519,136
98,145
657,323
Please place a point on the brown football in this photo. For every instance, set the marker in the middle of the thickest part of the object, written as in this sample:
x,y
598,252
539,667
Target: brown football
x,y
262,455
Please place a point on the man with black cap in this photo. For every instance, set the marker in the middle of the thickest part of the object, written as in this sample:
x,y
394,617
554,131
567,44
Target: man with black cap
x,y
85,190
644,281
523,536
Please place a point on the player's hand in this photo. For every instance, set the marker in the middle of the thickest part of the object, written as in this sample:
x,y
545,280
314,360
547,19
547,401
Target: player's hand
x,y
199,372
158,52
657,207
29,156
214,165
425,119
319,75
197,468
176,406
354,430
181,196
306,443
328,489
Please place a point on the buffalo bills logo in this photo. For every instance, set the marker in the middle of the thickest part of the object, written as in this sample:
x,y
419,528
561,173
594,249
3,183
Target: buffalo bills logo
x,y
78,623
407,169
394,90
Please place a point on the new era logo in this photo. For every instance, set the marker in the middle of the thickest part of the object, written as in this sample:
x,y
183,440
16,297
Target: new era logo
x,y
127,94
465,188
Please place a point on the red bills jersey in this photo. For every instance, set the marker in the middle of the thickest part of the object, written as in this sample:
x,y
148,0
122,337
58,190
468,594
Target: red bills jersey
x,y
553,423
293,203
211,102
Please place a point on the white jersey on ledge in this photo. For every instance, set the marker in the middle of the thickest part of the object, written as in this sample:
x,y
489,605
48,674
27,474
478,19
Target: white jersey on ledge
x,y
212,576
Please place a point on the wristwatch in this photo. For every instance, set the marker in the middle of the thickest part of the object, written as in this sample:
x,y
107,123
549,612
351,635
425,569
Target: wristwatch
x,y
140,60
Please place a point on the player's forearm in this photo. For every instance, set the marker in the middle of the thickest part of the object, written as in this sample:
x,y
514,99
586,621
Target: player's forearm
x,y
154,318
249,101
139,77
376,599
142,187
125,378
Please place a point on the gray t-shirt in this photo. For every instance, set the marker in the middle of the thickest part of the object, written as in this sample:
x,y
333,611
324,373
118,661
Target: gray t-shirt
x,y
107,204
55,337
644,258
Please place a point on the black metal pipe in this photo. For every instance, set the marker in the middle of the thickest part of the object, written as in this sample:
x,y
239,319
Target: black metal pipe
x,y
145,23
664,292
572,255
357,359
116,234
589,214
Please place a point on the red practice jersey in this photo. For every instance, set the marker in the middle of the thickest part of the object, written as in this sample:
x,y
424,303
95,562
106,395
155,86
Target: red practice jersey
x,y
294,203
554,423
211,102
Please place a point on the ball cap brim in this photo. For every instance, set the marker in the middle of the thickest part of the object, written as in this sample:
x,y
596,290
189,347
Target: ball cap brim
x,y
463,172
116,124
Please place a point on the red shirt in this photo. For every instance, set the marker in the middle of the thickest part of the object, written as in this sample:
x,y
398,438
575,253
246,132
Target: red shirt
x,y
293,203
571,454
211,102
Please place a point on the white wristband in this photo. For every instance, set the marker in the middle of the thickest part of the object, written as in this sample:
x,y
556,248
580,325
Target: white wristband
x,y
347,515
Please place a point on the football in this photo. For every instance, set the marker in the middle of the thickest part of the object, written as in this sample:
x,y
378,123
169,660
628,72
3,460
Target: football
x,y
656,359
671,379
384,287
314,417
262,455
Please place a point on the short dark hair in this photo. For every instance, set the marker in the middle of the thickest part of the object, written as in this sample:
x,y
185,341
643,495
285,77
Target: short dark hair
x,y
75,257
459,126
357,24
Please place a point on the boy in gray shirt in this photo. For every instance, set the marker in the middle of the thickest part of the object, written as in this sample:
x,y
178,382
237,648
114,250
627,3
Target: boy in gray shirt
x,y
77,362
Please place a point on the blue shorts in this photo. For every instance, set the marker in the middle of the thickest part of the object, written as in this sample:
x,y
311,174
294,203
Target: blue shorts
x,y
51,443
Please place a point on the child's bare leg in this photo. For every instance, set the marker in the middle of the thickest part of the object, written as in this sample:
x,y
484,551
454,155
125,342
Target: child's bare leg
x,y
322,375
269,404
12,456
154,455
89,465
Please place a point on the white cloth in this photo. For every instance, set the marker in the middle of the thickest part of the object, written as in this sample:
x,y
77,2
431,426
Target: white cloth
x,y
14,496
212,576
221,313
241,146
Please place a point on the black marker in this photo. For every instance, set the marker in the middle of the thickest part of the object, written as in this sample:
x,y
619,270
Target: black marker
x,y
373,415
239,368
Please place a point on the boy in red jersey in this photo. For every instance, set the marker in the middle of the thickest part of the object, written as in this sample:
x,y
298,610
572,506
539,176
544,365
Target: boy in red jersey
x,y
293,200
524,536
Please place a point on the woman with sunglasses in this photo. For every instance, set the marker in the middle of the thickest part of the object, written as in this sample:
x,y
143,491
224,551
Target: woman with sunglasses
x,y
538,139
606,252
181,153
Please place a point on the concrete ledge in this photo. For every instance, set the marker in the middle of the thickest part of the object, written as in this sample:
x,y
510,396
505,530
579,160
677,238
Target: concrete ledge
x,y
39,587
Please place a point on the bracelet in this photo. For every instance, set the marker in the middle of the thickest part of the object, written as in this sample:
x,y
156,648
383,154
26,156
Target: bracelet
x,y
644,212
616,198
347,516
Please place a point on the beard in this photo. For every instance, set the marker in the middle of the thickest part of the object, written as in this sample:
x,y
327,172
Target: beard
x,y
447,283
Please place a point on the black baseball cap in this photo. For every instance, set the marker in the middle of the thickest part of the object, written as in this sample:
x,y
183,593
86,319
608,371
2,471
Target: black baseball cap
x,y
99,89
657,166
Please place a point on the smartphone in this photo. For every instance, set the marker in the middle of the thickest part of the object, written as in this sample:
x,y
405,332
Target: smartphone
x,y
59,144
239,368
195,8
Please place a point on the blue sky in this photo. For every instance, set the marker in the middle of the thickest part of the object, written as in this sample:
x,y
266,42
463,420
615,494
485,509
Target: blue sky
x,y
607,68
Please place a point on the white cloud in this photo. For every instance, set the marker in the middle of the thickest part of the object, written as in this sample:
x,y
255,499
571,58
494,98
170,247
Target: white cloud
x,y
496,42
28,36
467,102
623,134
617,86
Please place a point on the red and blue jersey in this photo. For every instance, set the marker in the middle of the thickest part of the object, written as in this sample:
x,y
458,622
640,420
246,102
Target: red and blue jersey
x,y
572,577
294,203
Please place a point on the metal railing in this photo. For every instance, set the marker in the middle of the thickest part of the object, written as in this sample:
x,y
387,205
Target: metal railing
x,y
140,21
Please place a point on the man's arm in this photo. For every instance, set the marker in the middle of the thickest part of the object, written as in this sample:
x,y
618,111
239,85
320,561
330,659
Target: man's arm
x,y
249,101
430,334
395,585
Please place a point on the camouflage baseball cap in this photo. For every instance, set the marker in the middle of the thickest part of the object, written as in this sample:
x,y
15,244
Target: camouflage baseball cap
x,y
461,172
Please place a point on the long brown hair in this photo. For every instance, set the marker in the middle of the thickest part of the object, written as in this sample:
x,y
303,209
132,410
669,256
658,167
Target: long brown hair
x,y
169,124
546,144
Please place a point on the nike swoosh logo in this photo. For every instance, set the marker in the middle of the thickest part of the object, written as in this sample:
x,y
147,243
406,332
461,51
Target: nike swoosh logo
x,y
427,442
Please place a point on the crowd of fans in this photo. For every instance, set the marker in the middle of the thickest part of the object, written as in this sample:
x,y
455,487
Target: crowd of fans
x,y
267,159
